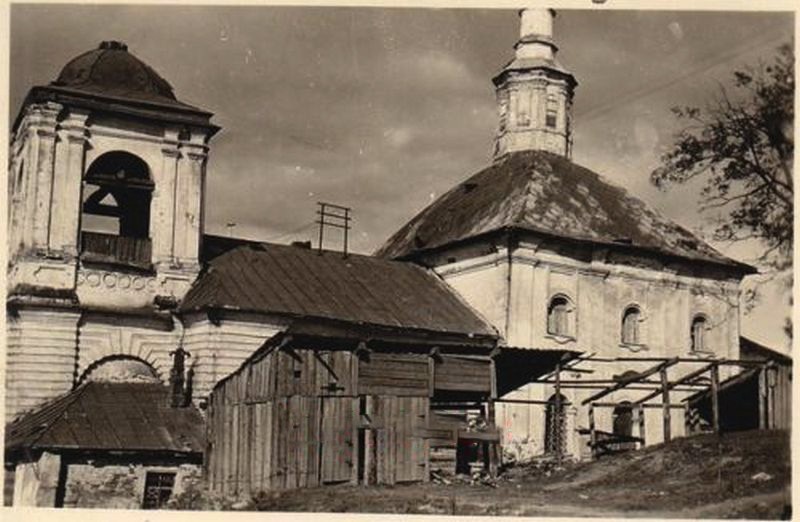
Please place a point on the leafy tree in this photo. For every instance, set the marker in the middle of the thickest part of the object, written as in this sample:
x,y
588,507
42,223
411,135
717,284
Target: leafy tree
x,y
742,146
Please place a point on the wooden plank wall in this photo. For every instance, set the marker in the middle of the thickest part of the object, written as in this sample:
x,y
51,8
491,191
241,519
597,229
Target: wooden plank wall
x,y
443,429
461,373
402,375
292,420
265,421
782,397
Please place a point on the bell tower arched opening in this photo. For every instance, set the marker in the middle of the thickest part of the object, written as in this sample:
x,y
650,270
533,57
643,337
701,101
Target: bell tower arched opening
x,y
115,217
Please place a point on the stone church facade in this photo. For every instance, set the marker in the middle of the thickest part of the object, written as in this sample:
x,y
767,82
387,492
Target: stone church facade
x,y
107,188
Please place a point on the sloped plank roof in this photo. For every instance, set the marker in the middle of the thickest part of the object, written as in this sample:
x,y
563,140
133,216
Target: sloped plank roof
x,y
129,416
302,283
546,193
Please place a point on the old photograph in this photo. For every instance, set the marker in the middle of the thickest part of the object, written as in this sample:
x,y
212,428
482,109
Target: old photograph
x,y
527,261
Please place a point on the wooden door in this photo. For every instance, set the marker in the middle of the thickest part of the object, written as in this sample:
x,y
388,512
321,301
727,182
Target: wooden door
x,y
401,449
338,439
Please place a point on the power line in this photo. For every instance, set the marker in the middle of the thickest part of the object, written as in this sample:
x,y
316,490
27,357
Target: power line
x,y
297,230
643,92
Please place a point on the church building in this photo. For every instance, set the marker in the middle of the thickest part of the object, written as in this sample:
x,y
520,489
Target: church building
x,y
556,257
533,265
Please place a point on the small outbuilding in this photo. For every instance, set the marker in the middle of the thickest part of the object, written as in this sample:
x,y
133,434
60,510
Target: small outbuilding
x,y
105,445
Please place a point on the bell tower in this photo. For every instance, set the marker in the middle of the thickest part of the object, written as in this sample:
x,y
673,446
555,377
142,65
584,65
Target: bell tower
x,y
106,185
534,92
106,192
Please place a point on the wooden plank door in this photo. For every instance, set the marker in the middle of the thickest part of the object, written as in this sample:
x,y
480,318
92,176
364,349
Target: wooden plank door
x,y
402,451
411,416
337,452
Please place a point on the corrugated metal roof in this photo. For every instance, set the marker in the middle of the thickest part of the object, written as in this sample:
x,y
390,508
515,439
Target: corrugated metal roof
x,y
546,193
110,416
302,283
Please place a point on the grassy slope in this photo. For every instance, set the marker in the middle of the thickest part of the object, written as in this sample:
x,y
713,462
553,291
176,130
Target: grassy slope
x,y
704,476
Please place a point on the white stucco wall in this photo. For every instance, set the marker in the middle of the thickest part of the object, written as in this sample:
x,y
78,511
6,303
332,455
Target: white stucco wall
x,y
600,286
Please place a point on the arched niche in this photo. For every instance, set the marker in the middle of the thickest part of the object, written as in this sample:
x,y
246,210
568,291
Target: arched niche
x,y
120,368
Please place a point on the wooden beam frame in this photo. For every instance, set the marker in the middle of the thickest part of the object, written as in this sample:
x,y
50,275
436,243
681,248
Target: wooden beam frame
x,y
663,365
647,405
673,384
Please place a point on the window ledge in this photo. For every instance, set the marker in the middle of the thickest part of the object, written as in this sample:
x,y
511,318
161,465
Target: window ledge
x,y
702,354
108,263
634,347
562,339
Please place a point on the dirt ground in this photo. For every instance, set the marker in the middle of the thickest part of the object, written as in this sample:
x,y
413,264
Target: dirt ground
x,y
738,475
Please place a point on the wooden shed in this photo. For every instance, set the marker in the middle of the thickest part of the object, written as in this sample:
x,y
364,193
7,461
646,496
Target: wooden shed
x,y
312,411
305,411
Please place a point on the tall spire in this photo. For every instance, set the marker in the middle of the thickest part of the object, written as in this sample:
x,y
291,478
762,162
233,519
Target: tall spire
x,y
534,92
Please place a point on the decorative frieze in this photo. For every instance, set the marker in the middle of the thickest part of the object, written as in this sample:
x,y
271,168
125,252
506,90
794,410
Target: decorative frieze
x,y
116,280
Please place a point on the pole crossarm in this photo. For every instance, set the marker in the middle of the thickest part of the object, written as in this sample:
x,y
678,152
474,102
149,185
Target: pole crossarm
x,y
673,384
618,386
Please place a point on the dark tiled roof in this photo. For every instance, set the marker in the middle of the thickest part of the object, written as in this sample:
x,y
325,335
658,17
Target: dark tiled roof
x,y
546,193
110,416
110,70
527,64
301,283
110,78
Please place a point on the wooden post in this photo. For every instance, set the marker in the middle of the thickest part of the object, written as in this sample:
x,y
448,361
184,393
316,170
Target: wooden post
x,y
592,432
771,374
493,457
560,417
687,425
639,412
491,420
762,395
665,408
715,397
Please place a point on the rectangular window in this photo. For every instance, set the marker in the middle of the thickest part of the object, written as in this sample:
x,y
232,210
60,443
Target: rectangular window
x,y
550,119
157,489
551,114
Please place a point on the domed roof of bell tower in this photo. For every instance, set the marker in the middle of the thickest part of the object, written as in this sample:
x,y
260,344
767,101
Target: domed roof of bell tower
x,y
113,71
111,79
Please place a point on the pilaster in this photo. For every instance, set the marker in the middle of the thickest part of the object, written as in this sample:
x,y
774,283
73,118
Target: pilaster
x,y
68,176
163,219
45,129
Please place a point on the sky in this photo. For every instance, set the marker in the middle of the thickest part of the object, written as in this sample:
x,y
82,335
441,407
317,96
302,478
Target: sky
x,y
384,109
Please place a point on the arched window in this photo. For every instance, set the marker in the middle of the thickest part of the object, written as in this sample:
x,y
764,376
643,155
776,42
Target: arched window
x,y
699,327
555,429
558,316
630,325
115,223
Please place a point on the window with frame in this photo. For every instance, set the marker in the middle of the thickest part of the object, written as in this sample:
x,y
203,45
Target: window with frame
x,y
157,489
558,316
551,113
630,325
699,327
